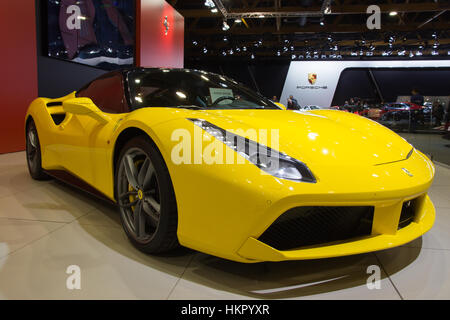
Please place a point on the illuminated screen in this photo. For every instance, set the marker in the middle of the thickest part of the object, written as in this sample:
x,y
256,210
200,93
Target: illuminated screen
x,y
98,33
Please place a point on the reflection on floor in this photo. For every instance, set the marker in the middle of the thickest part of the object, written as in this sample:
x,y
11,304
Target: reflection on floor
x,y
430,144
45,227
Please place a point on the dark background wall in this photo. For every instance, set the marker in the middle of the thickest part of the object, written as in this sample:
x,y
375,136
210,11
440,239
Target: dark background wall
x,y
392,82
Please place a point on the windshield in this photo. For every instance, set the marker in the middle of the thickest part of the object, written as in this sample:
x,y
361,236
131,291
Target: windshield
x,y
191,89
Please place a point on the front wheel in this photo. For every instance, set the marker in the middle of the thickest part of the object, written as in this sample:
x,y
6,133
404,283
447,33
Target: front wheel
x,y
146,198
33,152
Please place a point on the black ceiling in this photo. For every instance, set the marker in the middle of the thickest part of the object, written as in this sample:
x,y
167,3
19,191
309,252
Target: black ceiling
x,y
291,29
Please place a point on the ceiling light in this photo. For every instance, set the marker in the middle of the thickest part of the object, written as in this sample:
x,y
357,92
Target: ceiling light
x,y
209,4
214,10
393,13
225,26
238,21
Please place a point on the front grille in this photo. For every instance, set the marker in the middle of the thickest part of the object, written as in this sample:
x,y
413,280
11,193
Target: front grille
x,y
408,213
306,226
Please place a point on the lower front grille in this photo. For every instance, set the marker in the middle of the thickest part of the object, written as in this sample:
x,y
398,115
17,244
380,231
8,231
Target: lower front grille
x,y
306,226
408,213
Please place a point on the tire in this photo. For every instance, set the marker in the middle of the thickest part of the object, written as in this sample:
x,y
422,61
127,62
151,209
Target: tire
x,y
33,153
145,197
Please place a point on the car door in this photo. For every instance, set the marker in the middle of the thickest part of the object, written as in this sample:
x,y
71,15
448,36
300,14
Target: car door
x,y
84,140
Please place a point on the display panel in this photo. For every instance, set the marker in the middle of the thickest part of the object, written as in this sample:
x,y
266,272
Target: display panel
x,y
98,33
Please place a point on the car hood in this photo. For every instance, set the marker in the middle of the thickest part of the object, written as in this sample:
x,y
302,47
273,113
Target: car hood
x,y
325,137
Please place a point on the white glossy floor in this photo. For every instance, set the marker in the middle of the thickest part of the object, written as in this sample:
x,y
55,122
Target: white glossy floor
x,y
46,227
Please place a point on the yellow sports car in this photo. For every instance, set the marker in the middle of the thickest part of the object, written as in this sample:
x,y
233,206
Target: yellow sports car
x,y
197,159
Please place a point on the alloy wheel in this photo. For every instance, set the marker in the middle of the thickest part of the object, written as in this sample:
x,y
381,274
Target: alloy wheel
x,y
139,195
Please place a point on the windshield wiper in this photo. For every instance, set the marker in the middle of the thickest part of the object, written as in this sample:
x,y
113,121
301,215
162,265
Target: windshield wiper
x,y
191,107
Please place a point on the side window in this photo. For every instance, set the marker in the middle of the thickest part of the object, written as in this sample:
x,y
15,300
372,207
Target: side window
x,y
107,94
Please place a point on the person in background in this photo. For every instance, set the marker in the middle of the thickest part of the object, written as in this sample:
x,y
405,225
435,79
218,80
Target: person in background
x,y
447,117
438,113
292,103
416,97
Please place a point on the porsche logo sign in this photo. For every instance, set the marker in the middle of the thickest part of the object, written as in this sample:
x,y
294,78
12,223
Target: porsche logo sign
x,y
312,78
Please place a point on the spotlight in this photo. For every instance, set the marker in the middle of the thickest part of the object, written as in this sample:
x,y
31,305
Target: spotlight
x,y
225,39
209,4
327,10
238,21
225,26
293,57
244,49
205,50
434,53
322,22
278,53
393,13
214,10
252,56
194,43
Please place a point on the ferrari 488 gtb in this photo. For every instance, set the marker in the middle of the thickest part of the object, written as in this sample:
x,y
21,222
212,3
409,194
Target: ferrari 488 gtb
x,y
197,159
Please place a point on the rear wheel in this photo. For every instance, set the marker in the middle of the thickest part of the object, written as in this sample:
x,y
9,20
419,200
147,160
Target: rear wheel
x,y
146,198
33,151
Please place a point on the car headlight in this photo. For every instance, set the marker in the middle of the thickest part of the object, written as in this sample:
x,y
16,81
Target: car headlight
x,y
267,159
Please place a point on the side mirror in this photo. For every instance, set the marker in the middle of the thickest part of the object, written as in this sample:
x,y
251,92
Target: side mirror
x,y
85,106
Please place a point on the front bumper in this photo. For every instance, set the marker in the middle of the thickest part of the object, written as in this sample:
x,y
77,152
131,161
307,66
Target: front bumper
x,y
385,235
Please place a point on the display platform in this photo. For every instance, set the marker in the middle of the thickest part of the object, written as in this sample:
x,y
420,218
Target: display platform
x,y
47,227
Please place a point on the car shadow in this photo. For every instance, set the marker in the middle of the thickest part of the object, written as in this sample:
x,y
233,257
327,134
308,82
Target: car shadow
x,y
268,280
